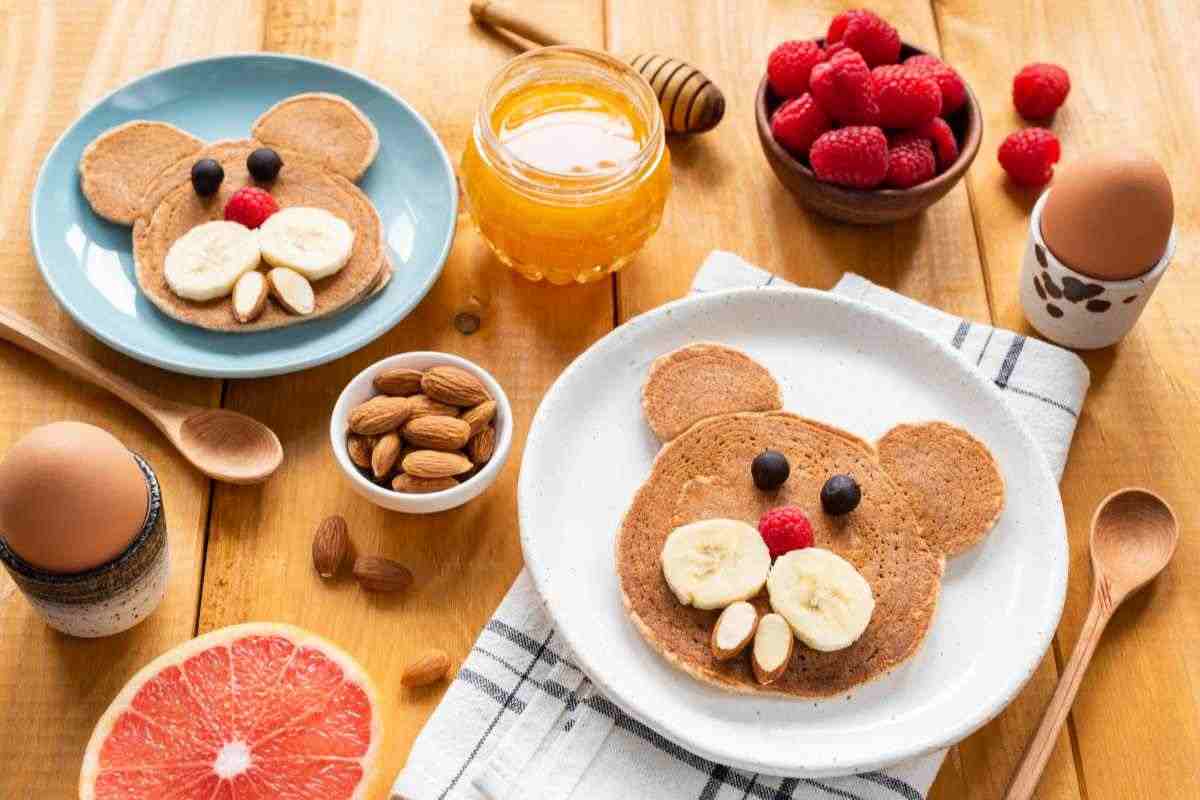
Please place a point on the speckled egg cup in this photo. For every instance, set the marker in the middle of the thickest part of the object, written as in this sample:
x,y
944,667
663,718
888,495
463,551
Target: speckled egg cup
x,y
112,597
1077,310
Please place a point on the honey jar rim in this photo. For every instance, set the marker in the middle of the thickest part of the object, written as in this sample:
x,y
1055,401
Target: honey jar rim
x,y
532,180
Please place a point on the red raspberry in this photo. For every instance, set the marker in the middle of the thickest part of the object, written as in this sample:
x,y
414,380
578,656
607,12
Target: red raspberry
x,y
938,133
866,32
1028,156
854,156
910,162
905,98
785,529
1039,89
789,65
250,206
835,48
797,124
842,88
954,91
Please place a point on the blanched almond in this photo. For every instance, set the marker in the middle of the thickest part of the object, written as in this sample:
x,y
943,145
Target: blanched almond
x,y
384,456
437,433
773,644
249,296
292,291
733,630
454,386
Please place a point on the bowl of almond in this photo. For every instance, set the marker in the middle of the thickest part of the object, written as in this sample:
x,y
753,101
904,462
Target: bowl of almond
x,y
421,432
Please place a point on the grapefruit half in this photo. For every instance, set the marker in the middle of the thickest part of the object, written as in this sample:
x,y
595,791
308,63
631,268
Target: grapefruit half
x,y
245,712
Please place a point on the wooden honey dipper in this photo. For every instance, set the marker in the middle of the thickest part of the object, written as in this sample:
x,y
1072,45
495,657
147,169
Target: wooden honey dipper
x,y
690,102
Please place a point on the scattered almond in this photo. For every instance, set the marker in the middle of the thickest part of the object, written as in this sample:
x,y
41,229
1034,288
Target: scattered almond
x,y
410,484
454,386
733,630
480,415
330,545
249,296
437,433
384,456
424,406
379,415
773,643
435,464
430,667
359,449
399,381
292,291
482,446
378,574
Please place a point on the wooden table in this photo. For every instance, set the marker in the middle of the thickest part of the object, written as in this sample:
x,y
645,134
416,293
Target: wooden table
x,y
243,553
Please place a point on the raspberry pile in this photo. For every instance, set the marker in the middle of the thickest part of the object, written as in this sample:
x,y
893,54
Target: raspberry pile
x,y
852,109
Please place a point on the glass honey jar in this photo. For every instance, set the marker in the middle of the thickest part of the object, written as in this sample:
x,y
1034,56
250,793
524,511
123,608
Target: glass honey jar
x,y
567,171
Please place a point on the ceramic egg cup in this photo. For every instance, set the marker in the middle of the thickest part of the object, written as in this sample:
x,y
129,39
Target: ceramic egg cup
x,y
1074,309
362,388
112,597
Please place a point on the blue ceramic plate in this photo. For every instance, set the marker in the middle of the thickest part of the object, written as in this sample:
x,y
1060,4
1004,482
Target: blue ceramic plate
x,y
88,264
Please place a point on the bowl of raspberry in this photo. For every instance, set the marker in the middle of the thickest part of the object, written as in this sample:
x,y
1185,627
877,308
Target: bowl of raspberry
x,y
863,127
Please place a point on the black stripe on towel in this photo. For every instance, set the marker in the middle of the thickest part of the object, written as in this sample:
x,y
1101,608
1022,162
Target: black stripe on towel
x,y
960,335
1010,361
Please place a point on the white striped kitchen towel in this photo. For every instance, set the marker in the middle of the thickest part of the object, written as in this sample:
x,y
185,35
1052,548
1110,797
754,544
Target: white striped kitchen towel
x,y
521,722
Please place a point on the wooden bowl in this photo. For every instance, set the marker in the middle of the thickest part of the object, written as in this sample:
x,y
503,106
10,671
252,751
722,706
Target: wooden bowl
x,y
870,206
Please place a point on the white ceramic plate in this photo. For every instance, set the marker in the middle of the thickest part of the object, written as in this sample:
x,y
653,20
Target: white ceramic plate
x,y
848,364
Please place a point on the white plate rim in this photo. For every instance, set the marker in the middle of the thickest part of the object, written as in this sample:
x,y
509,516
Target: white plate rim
x,y
921,744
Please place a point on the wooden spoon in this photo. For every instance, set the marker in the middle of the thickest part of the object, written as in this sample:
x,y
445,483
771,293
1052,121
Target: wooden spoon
x,y
224,445
1134,534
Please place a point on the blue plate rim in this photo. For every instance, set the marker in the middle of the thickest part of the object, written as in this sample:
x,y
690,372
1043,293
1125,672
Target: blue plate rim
x,y
187,368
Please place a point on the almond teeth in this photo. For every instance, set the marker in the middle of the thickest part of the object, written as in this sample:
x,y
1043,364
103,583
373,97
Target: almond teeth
x,y
437,433
399,381
435,464
734,630
379,415
772,649
249,296
292,291
454,386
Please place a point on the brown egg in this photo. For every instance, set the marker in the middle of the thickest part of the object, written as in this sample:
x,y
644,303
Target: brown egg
x,y
1109,215
71,497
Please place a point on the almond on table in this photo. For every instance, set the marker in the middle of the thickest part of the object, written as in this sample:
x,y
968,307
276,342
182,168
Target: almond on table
x,y
430,667
378,574
331,544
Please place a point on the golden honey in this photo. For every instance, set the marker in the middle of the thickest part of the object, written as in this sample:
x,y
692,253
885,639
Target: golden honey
x,y
567,172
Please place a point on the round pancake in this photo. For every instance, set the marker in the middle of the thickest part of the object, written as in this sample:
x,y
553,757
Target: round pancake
x,y
329,128
705,473
171,208
950,478
704,380
118,165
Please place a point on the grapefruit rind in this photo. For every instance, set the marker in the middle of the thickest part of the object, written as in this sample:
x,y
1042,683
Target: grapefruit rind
x,y
351,670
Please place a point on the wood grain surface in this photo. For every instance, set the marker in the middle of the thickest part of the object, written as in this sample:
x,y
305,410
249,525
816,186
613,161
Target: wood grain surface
x,y
242,553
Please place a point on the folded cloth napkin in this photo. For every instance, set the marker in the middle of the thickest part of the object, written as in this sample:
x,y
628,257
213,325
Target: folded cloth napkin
x,y
520,720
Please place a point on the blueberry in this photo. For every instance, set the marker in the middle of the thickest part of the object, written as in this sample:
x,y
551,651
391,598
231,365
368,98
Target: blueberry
x,y
207,176
264,164
840,495
770,469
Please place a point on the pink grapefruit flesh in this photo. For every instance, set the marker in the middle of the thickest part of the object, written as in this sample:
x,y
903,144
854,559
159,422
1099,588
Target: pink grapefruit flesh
x,y
246,712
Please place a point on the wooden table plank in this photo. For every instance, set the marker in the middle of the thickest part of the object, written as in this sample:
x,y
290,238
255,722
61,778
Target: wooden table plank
x,y
1137,717
725,196
258,564
55,60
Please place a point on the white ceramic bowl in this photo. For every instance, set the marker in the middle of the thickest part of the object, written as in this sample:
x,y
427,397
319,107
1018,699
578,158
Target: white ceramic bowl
x,y
362,388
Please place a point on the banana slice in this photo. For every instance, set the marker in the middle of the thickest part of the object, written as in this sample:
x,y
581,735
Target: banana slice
x,y
715,562
310,241
822,596
206,262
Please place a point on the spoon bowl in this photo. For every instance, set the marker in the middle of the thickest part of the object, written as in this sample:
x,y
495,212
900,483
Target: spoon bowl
x,y
1134,535
229,446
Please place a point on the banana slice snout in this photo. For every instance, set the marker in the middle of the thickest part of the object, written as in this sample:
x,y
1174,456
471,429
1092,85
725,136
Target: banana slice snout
x,y
824,599
206,262
311,241
715,562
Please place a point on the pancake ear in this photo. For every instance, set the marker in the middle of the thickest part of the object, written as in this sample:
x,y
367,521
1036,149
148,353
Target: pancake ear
x,y
950,479
119,165
325,127
704,380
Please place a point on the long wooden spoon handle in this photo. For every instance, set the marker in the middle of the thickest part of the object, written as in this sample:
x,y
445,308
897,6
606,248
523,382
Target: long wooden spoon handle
x,y
496,15
1029,772
27,336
